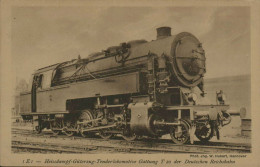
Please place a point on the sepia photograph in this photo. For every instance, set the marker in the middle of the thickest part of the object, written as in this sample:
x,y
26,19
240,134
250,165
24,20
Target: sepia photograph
x,y
130,82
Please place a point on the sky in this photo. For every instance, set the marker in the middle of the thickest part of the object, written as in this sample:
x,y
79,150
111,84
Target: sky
x,y
42,36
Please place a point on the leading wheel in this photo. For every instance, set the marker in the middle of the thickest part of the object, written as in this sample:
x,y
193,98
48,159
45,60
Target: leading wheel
x,y
180,133
205,133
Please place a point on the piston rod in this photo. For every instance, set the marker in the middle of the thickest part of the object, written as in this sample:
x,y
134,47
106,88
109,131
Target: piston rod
x,y
157,123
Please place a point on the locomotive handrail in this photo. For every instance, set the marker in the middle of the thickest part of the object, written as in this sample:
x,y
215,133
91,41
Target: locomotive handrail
x,y
66,80
193,57
225,107
54,88
45,113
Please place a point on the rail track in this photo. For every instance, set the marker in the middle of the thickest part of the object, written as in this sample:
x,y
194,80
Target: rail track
x,y
27,141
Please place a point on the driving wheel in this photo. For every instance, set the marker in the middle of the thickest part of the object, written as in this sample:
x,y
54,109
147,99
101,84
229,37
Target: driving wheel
x,y
85,117
129,135
70,127
105,135
55,125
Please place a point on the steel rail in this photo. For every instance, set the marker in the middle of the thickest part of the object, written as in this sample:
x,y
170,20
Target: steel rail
x,y
27,132
141,146
131,148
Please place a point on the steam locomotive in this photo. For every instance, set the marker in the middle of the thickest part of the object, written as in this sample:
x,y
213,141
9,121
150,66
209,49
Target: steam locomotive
x,y
136,89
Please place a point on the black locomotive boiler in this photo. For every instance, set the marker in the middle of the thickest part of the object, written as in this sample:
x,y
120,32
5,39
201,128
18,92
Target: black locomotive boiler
x,y
136,89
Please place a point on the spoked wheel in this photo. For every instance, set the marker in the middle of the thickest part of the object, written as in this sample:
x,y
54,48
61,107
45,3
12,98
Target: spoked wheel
x,y
38,129
57,124
86,116
180,133
56,132
205,133
70,127
104,134
129,135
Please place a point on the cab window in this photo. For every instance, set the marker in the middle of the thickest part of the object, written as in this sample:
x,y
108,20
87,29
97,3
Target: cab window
x,y
46,83
43,81
37,81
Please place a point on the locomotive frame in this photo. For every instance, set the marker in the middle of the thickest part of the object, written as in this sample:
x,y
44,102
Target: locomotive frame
x,y
137,89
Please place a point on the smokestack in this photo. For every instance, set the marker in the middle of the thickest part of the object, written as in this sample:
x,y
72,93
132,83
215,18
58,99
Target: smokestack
x,y
163,32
